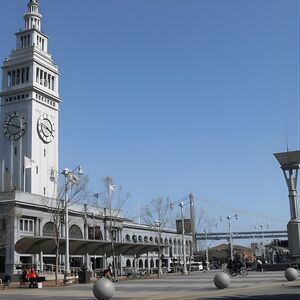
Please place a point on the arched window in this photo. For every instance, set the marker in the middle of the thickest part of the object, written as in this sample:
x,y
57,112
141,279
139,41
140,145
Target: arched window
x,y
156,263
49,229
75,232
141,265
146,239
151,263
127,238
151,239
156,240
146,263
140,239
128,263
134,238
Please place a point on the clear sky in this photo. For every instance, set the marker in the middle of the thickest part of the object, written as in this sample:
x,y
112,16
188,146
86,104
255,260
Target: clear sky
x,y
171,97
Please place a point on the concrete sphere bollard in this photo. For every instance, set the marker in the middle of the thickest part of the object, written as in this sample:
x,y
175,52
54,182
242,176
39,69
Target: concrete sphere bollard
x,y
222,280
103,289
291,274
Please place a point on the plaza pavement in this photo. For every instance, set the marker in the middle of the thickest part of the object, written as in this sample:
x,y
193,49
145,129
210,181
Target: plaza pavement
x,y
267,285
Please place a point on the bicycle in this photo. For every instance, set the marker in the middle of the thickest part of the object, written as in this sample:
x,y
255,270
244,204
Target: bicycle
x,y
236,271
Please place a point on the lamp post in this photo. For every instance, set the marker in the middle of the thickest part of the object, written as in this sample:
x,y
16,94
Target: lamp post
x,y
206,247
157,224
262,238
183,239
230,233
69,178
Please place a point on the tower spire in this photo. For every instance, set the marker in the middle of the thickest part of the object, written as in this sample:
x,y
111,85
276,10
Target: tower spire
x,y
32,17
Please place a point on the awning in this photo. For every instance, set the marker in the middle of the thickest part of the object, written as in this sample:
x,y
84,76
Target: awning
x,y
36,245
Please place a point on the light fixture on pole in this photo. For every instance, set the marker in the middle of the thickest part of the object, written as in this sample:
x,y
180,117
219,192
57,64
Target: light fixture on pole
x,y
262,238
70,178
157,224
183,238
289,162
230,233
206,247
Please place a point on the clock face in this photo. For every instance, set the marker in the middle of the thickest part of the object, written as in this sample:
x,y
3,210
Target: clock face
x,y
14,125
45,128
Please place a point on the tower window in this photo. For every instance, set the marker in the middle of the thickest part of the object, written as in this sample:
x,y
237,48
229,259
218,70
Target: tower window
x,y
37,170
52,83
44,191
8,79
15,150
27,74
13,81
18,76
22,75
44,152
37,74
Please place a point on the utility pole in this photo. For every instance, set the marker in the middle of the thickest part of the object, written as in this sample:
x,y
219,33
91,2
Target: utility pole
x,y
192,217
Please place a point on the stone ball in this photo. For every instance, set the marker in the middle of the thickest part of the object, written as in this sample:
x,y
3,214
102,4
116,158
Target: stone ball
x,y
103,289
221,280
291,274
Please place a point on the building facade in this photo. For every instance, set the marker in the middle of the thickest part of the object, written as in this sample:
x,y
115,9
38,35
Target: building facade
x,y
29,112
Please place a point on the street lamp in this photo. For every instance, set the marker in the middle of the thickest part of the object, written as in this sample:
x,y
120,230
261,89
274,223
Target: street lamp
x,y
183,239
206,247
157,224
262,237
70,178
230,233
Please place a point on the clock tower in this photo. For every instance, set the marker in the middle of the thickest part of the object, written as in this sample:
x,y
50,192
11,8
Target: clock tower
x,y
29,109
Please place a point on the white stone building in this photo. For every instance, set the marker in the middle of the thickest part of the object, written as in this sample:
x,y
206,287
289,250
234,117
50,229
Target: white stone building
x,y
29,111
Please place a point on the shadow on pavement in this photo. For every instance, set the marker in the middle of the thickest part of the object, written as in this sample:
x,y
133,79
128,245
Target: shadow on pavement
x,y
264,297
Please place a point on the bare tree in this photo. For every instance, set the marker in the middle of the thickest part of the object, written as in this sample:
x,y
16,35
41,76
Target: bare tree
x,y
112,199
56,208
157,215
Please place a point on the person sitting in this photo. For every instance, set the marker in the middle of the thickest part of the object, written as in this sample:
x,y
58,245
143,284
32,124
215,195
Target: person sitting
x,y
23,277
32,277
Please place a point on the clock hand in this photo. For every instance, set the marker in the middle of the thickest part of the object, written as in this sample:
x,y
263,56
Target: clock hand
x,y
13,125
46,127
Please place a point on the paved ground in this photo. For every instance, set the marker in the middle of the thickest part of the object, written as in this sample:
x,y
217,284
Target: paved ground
x,y
269,285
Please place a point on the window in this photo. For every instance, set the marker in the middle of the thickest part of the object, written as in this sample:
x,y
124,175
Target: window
x,y
18,76
44,152
13,81
27,74
23,75
15,151
37,75
26,225
8,79
44,191
37,170
52,83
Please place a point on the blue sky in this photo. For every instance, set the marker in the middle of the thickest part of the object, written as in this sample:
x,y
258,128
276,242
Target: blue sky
x,y
170,97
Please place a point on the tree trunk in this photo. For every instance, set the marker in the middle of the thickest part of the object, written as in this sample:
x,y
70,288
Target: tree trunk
x,y
56,260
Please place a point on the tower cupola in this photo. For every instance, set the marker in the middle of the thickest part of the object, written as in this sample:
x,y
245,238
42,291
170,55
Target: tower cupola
x,y
32,17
